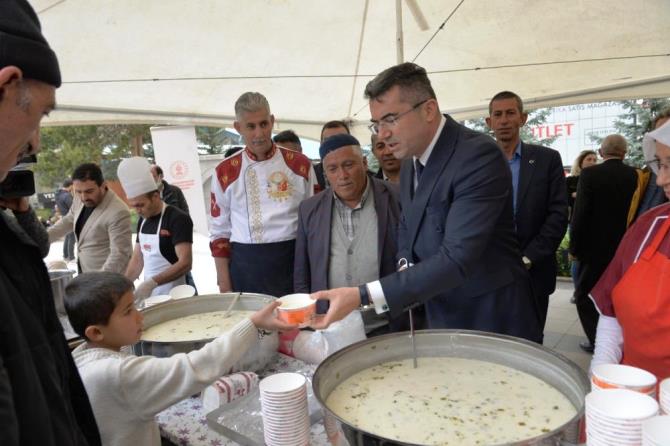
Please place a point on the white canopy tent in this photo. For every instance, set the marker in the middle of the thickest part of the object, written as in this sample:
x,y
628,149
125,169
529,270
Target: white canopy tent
x,y
187,61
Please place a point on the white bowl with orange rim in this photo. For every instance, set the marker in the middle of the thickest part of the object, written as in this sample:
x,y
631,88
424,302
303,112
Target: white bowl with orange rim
x,y
619,376
296,308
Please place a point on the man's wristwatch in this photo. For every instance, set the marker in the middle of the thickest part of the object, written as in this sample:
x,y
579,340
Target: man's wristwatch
x,y
365,296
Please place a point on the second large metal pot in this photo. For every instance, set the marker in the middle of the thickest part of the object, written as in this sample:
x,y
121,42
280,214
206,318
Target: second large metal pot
x,y
59,280
254,359
519,354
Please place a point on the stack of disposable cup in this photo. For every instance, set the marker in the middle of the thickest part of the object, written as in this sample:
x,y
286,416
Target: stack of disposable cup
x,y
285,412
619,376
664,396
615,416
656,431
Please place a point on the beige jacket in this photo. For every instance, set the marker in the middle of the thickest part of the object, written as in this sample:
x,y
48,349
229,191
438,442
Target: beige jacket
x,y
105,241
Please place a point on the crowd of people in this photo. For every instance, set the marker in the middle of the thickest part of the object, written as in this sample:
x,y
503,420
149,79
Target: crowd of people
x,y
456,227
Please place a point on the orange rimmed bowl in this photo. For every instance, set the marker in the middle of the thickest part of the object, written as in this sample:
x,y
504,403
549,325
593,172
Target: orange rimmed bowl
x,y
296,308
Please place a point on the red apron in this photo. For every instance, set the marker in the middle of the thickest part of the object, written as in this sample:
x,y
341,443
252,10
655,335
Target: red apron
x,y
642,303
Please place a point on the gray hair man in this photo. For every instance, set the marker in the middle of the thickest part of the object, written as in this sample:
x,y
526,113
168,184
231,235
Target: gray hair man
x,y
599,221
355,221
254,205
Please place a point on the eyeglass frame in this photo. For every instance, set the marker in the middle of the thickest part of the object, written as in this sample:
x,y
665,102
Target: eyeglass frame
x,y
656,165
391,120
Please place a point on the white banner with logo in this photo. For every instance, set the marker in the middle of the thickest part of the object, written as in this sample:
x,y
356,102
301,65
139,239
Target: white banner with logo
x,y
176,152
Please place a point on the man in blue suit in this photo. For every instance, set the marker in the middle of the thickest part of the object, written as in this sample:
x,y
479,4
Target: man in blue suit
x,y
540,201
458,250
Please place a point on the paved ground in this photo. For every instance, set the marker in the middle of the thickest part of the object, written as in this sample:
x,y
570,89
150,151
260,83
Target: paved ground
x,y
563,331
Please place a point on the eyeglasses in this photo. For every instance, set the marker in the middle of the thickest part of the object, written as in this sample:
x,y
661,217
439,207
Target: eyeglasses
x,y
392,120
656,165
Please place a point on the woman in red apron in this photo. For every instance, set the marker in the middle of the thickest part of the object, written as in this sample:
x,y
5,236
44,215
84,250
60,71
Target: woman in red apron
x,y
633,295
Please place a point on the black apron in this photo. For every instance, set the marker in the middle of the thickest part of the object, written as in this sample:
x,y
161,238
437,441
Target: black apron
x,y
265,268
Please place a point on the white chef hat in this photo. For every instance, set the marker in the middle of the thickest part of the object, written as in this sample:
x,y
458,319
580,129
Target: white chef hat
x,y
135,176
661,134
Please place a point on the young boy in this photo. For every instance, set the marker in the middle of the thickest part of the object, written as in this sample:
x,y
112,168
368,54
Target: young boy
x,y
127,391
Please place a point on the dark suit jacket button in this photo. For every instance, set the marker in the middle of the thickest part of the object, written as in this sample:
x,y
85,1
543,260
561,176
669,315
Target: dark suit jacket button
x,y
350,251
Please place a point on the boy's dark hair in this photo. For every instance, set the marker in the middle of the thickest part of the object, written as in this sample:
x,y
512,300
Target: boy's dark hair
x,y
287,136
159,171
90,298
88,171
411,78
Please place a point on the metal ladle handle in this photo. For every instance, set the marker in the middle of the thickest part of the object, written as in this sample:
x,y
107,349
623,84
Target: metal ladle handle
x,y
411,335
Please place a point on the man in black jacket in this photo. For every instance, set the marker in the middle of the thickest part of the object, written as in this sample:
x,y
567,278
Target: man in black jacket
x,y
170,194
540,202
64,203
42,398
599,222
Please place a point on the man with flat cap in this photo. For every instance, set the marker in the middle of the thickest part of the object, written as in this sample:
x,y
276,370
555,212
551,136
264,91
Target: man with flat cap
x,y
42,399
459,254
163,247
347,234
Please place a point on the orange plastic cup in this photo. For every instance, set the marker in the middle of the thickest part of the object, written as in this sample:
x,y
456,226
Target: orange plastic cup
x,y
296,308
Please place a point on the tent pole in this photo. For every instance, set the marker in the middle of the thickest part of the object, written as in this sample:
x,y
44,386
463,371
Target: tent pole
x,y
400,56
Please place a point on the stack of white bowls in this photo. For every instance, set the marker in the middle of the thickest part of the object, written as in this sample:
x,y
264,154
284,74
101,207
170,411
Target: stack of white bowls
x,y
656,431
615,416
664,396
285,412
619,376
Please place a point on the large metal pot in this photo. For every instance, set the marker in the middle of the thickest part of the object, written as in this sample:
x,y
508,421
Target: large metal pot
x,y
255,359
59,280
522,355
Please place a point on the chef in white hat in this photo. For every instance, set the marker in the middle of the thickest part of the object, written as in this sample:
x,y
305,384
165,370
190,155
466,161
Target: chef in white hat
x,y
163,247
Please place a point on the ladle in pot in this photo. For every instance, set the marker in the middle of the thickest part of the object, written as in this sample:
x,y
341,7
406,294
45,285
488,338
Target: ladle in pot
x,y
232,304
411,335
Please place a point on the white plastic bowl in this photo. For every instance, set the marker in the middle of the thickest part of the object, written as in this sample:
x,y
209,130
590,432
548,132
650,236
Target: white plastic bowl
x,y
621,405
182,292
657,430
623,376
282,383
155,300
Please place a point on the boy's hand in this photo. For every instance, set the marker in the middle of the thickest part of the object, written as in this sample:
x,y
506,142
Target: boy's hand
x,y
266,320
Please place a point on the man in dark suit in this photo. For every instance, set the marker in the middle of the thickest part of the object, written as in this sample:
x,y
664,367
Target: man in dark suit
x,y
540,202
347,234
389,165
458,251
599,221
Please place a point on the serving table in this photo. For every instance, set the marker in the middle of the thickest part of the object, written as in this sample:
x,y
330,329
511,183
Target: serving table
x,y
185,423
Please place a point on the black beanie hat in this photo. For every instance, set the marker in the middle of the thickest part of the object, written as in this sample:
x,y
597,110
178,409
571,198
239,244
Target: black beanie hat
x,y
22,44
335,142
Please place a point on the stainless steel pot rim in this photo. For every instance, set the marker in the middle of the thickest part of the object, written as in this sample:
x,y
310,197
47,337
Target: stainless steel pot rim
x,y
574,367
173,302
